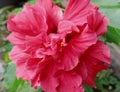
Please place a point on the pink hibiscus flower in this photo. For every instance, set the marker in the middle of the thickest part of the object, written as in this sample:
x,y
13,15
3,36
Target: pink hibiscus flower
x,y
58,52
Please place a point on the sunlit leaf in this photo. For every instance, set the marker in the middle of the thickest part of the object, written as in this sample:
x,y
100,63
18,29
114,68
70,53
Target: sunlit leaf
x,y
113,35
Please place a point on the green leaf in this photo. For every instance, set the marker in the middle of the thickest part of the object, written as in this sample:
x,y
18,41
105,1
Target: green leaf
x,y
117,86
113,35
16,10
27,88
7,47
11,82
57,1
99,84
10,74
16,84
32,1
88,88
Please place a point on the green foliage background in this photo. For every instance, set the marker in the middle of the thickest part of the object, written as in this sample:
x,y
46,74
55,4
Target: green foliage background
x,y
104,80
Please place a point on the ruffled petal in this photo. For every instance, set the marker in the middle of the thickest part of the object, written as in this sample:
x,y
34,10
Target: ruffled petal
x,y
76,47
44,74
66,27
78,10
16,38
80,43
48,81
17,53
69,59
30,21
92,62
69,82
54,14
93,67
100,52
33,43
20,58
97,22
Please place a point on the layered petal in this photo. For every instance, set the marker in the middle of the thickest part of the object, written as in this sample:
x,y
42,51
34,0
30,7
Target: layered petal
x,y
92,62
78,10
83,41
76,46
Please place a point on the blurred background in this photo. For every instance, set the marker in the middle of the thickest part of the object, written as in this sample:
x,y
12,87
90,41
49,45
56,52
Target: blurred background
x,y
107,81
